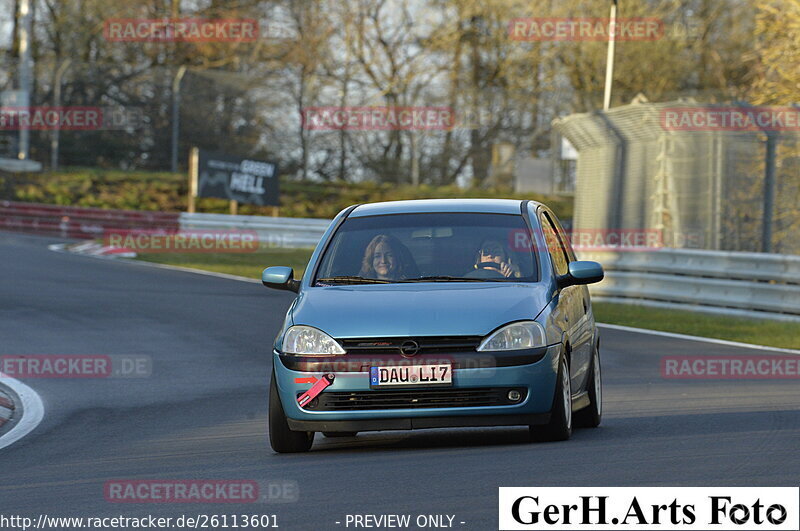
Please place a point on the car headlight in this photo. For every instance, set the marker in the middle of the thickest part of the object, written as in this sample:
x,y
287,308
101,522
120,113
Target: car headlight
x,y
516,336
310,341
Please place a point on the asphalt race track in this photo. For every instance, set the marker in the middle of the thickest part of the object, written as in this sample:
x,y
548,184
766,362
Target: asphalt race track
x,y
202,412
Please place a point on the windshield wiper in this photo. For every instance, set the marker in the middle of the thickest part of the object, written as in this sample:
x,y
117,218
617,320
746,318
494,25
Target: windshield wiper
x,y
445,278
353,280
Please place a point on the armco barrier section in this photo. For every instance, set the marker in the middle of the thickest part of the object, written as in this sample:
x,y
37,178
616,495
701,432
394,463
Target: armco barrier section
x,y
747,284
89,223
272,232
715,264
80,222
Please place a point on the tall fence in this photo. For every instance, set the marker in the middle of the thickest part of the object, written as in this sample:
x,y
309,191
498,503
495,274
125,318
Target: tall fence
x,y
137,112
731,187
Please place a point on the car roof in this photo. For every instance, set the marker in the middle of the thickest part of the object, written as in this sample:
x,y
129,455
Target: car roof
x,y
494,206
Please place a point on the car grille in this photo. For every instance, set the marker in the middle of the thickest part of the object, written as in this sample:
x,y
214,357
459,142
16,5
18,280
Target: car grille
x,y
427,345
414,399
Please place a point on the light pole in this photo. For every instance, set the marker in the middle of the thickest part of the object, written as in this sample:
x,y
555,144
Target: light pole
x,y
54,143
612,37
24,73
176,114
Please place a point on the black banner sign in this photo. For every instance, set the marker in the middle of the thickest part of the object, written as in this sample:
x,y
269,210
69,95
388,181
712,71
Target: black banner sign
x,y
248,181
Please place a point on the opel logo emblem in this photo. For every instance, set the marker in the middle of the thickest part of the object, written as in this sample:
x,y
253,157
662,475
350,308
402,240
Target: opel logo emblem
x,y
409,348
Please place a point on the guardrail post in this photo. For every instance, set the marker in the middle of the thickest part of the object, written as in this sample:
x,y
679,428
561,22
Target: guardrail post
x,y
193,169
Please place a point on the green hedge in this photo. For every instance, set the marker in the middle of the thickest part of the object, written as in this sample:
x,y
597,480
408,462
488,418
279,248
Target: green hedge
x,y
168,192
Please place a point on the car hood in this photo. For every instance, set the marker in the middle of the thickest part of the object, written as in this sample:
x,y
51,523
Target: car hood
x,y
430,309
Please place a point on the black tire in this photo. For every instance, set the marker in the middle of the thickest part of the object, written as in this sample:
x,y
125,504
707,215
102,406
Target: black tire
x,y
281,438
591,415
332,434
560,426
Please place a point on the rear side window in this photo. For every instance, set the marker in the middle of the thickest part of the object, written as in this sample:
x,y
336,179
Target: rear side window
x,y
565,239
555,245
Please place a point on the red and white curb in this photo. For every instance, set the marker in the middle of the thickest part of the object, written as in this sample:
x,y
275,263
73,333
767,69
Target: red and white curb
x,y
6,408
93,249
25,412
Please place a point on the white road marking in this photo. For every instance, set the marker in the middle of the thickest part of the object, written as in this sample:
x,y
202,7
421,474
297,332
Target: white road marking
x,y
32,411
184,269
697,338
57,247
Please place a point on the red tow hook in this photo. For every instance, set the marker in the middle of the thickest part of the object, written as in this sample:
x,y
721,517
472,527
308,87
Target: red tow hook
x,y
316,389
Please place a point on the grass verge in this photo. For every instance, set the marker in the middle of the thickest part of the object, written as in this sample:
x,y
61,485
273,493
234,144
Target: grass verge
x,y
244,264
755,331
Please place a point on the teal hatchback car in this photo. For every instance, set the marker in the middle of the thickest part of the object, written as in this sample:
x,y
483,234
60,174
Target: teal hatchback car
x,y
436,313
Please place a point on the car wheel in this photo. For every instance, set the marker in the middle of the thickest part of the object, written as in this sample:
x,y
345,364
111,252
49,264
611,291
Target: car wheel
x,y
560,426
281,438
331,434
589,417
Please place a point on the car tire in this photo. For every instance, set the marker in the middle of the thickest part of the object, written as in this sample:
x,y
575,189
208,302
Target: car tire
x,y
281,438
333,434
560,426
590,416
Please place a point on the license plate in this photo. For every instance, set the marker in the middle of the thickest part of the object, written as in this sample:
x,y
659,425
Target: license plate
x,y
440,374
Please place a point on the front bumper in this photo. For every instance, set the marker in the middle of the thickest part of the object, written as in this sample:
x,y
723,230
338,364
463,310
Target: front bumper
x,y
538,378
418,423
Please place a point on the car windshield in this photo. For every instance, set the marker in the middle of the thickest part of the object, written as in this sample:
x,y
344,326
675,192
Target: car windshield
x,y
430,247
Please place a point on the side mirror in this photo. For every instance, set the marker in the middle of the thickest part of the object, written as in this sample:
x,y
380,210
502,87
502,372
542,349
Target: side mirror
x,y
280,277
581,272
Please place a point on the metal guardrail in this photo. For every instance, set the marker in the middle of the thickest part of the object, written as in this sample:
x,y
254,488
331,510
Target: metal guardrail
x,y
745,284
79,222
274,232
91,223
715,264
